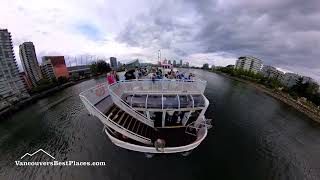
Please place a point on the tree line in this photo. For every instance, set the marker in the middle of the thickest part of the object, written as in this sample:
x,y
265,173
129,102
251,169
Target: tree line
x,y
99,67
308,90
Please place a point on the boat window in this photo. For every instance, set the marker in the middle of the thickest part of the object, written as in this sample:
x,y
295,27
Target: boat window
x,y
185,101
170,101
143,112
194,116
157,117
154,101
139,101
198,101
127,98
173,118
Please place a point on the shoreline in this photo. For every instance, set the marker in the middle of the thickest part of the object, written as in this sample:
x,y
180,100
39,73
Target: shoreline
x,y
313,114
7,112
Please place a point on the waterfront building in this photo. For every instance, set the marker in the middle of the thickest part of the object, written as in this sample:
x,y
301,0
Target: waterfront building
x,y
29,62
79,71
47,70
169,61
271,72
113,63
132,64
174,63
180,63
55,64
205,66
249,63
26,81
12,88
187,64
290,79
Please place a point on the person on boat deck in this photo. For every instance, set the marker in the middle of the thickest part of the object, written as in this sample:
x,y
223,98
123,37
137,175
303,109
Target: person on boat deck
x,y
140,72
191,77
153,77
110,78
136,73
129,75
115,75
174,117
158,74
122,77
178,75
169,115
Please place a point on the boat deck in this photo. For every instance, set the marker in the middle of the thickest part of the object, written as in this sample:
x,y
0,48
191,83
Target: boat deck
x,y
174,136
104,105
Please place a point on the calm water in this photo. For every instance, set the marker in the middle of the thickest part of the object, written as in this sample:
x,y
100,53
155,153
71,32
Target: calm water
x,y
255,137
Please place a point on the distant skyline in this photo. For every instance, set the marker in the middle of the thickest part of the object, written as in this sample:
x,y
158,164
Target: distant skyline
x,y
284,34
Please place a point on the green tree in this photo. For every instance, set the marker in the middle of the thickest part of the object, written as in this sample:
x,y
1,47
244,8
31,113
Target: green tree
x,y
54,80
94,68
103,67
43,84
205,66
62,79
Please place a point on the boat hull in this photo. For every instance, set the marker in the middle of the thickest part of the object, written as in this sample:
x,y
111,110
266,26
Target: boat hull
x,y
167,150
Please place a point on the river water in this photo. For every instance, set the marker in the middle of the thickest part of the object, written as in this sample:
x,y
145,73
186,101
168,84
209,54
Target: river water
x,y
254,137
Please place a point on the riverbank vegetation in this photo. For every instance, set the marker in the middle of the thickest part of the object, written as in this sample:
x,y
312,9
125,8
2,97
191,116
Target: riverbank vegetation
x,y
306,90
45,84
99,67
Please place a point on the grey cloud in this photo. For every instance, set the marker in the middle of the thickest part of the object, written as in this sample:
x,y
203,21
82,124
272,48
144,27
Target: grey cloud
x,y
283,33
161,27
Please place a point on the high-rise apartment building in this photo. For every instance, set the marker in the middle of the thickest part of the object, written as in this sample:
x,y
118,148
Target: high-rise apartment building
x,y
29,62
290,79
47,70
249,63
113,63
272,72
26,81
55,64
174,63
12,88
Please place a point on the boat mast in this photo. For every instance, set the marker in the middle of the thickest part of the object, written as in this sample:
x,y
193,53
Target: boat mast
x,y
159,56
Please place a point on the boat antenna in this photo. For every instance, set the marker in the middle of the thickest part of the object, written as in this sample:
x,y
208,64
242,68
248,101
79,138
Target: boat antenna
x,y
159,56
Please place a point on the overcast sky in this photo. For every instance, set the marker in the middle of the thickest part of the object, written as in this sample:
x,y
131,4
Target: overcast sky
x,y
283,33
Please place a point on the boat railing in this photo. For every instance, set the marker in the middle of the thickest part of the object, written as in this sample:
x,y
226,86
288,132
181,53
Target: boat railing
x,y
116,91
106,120
96,94
161,86
194,127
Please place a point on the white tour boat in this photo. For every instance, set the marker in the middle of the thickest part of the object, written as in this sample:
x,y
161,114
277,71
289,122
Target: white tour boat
x,y
151,116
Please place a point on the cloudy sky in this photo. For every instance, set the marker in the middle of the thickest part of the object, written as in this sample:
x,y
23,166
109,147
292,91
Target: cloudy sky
x,y
283,33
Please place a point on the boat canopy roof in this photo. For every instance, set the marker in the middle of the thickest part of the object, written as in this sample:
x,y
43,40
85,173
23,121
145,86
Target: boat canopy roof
x,y
162,101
